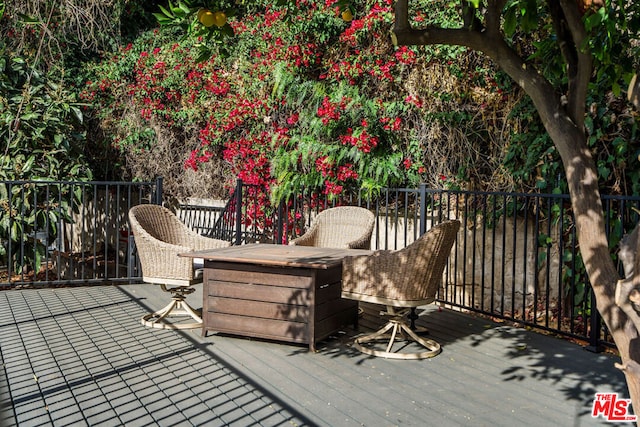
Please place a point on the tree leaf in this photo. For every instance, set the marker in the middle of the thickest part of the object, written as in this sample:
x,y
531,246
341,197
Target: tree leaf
x,y
510,21
26,167
166,13
77,113
186,9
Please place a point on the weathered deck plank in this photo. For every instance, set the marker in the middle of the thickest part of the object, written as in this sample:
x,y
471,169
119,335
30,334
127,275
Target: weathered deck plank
x,y
79,356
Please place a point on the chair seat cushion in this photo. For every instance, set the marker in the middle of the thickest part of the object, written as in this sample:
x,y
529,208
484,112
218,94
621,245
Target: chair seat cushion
x,y
386,301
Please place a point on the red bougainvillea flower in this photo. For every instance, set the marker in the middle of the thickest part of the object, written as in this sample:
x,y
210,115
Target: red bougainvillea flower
x,y
332,188
346,172
292,119
328,111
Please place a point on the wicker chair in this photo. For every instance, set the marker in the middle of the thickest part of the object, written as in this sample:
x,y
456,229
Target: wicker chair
x,y
348,227
404,280
160,236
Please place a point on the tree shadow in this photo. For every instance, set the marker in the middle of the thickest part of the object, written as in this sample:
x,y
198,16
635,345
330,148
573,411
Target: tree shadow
x,y
508,353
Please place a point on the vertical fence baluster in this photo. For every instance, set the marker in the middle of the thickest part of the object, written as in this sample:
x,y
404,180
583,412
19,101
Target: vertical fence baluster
x,y
238,236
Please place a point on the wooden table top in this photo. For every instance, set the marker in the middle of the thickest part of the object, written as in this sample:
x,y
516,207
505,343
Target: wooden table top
x,y
278,255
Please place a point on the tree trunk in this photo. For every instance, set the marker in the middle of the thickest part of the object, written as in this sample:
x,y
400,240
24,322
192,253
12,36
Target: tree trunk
x,y
582,180
563,118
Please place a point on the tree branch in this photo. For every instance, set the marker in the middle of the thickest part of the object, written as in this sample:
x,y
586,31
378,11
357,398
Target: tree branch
x,y
626,291
491,44
630,367
437,35
402,16
499,4
633,92
565,41
554,115
469,17
580,62
492,17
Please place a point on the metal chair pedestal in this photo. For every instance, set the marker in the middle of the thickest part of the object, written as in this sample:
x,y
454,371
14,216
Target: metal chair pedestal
x,y
178,307
397,324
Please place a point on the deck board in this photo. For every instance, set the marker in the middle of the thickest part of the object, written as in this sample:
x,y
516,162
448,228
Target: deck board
x,y
79,356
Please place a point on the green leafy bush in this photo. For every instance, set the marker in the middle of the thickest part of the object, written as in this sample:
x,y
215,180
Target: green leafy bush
x,y
41,129
306,99
302,101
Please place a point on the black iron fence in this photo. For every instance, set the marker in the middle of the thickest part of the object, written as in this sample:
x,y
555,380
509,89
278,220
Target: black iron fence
x,y
59,233
201,218
516,257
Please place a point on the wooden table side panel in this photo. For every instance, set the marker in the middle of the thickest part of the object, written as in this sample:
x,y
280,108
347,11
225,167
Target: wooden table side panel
x,y
300,305
260,328
257,292
333,323
264,275
260,309
329,308
328,292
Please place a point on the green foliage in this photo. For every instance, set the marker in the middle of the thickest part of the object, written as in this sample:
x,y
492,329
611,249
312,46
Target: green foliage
x,y
185,14
610,125
532,157
344,131
55,36
41,129
298,96
270,99
520,14
42,125
613,30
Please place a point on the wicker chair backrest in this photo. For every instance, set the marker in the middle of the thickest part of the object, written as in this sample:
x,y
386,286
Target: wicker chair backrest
x,y
425,260
410,274
160,237
336,227
160,223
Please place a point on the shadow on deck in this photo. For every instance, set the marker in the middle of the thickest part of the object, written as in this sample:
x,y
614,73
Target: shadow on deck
x,y
79,356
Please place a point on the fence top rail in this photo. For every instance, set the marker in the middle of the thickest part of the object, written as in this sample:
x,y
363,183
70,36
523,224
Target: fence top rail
x,y
499,193
386,191
632,198
200,207
105,183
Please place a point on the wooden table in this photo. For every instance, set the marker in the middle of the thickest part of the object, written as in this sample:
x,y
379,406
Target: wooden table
x,y
285,293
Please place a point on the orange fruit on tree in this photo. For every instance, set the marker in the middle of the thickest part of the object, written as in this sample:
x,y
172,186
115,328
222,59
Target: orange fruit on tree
x,y
219,18
206,17
347,16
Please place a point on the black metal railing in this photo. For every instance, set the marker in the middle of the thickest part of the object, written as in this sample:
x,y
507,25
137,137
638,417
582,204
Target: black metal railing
x,y
57,232
203,219
516,258
240,218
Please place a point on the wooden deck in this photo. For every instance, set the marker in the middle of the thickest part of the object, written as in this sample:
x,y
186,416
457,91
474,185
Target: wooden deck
x,y
79,356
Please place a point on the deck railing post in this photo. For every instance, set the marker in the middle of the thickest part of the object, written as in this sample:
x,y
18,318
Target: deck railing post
x,y
423,208
157,194
238,195
595,326
9,245
278,231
